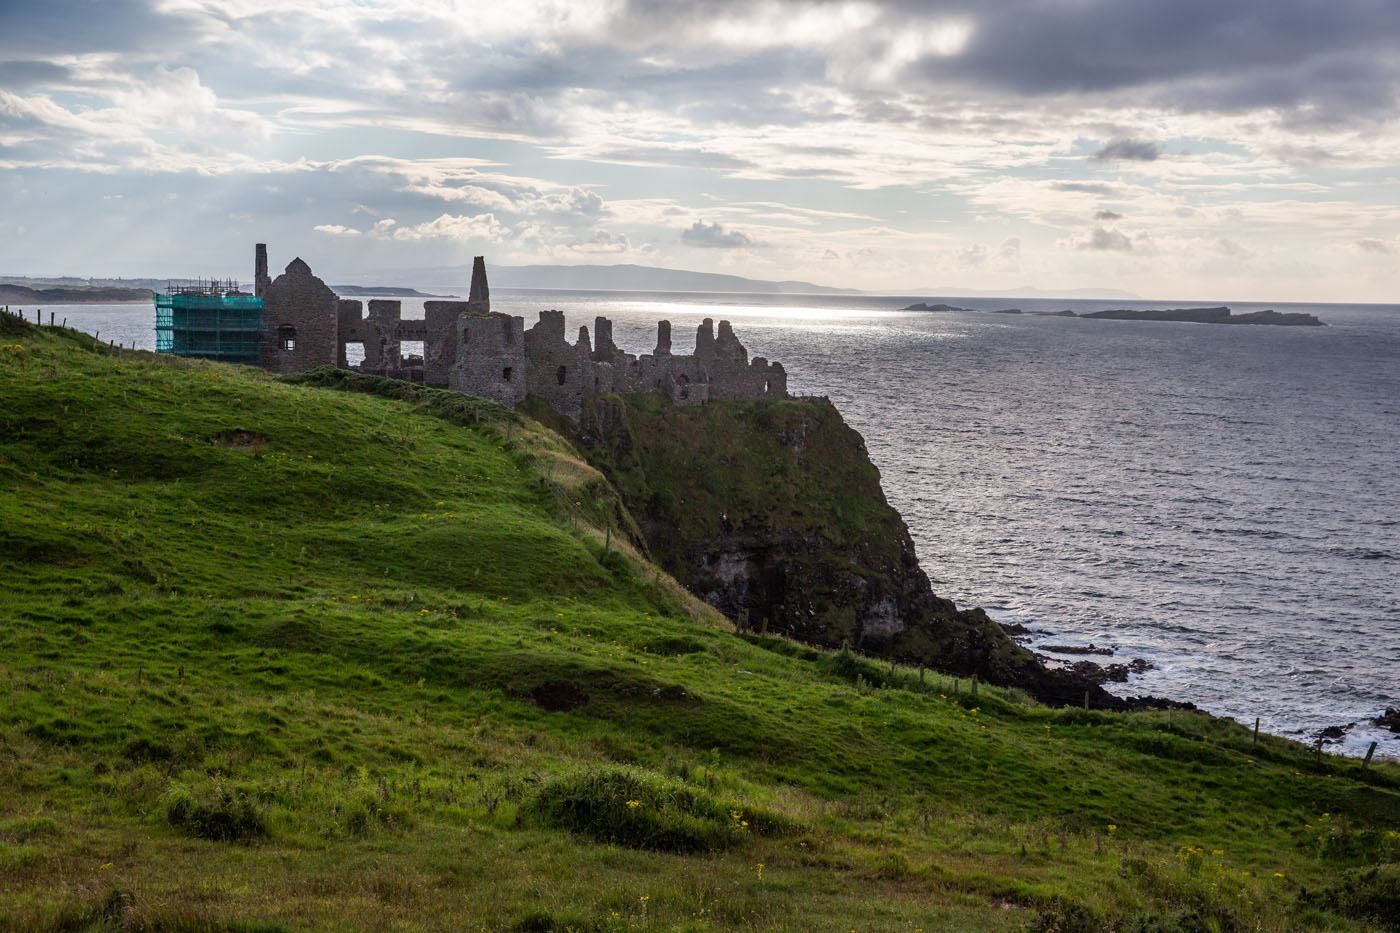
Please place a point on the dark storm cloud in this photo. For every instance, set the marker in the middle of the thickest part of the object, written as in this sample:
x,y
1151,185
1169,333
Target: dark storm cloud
x,y
1128,150
57,27
1342,57
1245,53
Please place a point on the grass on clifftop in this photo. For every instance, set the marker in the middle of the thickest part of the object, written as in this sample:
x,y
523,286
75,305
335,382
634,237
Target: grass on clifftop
x,y
283,657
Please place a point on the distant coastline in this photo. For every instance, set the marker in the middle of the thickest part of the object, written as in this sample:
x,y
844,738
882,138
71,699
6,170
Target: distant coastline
x,y
72,295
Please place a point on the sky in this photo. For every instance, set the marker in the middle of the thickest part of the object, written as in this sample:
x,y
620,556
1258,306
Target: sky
x,y
1243,149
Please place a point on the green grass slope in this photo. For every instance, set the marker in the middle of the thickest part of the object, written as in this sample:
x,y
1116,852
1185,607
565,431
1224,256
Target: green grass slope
x,y
277,656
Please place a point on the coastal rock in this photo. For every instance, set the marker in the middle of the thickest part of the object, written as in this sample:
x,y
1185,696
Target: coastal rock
x,y
1091,648
1009,311
1390,719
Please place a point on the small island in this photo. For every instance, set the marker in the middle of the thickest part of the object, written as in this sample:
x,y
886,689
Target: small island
x,y
1220,315
937,309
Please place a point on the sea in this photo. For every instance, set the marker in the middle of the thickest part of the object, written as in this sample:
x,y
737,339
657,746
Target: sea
x,y
1222,502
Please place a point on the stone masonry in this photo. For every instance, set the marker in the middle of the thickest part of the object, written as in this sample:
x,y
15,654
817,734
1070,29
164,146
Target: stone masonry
x,y
472,349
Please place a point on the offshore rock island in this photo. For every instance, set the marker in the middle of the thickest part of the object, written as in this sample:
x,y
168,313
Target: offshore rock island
x,y
1216,315
1219,315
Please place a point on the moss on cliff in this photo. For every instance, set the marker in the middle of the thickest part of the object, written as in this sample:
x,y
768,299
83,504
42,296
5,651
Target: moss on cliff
x,y
773,513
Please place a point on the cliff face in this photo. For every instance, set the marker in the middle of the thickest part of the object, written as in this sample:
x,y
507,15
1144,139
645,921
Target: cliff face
x,y
773,514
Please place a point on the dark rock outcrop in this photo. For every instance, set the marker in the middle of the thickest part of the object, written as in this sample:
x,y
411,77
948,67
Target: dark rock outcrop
x,y
773,513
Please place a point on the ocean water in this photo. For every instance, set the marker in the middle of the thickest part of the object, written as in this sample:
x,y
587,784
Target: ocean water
x,y
1223,502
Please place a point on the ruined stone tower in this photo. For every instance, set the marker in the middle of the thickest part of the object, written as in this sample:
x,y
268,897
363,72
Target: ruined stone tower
x,y
261,280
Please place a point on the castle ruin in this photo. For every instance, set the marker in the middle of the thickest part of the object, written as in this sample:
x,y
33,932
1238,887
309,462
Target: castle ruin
x,y
470,348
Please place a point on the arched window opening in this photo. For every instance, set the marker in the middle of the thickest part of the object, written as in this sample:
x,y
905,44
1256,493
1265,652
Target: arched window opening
x,y
562,375
287,337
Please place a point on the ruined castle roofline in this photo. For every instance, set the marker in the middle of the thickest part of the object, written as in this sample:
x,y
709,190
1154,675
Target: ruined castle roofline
x,y
298,266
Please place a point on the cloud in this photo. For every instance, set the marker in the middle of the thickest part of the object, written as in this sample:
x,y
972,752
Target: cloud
x,y
714,236
1377,247
1107,241
1107,215
1129,150
1082,187
603,242
448,227
336,230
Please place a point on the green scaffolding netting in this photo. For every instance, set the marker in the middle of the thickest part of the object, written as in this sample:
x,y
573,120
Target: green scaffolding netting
x,y
215,327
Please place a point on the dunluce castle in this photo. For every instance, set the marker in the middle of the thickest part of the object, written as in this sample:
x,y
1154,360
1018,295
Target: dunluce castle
x,y
470,348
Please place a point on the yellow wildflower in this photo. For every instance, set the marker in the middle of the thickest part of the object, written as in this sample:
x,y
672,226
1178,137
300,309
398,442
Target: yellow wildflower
x,y
633,804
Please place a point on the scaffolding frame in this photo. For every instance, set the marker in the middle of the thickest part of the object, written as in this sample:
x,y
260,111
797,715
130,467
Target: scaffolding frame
x,y
209,319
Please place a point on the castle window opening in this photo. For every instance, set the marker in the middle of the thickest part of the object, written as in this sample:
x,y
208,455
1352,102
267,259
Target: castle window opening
x,y
287,337
767,386
562,375
505,374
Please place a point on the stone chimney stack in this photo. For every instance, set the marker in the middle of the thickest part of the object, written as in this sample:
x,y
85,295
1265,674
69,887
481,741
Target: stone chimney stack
x,y
261,280
705,339
602,339
481,292
663,338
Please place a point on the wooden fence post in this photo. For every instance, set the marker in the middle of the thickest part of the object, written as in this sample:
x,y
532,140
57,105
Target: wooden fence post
x,y
1366,762
1256,730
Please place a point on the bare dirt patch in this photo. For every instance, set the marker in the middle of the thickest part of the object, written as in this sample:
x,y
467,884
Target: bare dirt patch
x,y
239,439
558,697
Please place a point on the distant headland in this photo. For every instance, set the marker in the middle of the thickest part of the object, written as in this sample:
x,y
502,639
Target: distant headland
x,y
382,291
71,294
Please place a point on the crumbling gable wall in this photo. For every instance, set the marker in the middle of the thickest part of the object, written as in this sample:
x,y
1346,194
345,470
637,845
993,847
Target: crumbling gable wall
x,y
301,317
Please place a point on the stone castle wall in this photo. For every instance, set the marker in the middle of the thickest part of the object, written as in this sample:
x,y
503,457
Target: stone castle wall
x,y
301,316
470,348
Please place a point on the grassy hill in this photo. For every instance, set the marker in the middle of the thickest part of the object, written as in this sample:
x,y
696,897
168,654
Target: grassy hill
x,y
278,656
